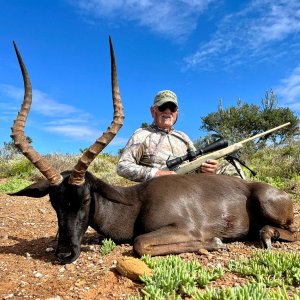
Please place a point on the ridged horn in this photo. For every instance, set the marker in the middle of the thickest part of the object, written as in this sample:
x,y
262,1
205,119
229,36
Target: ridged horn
x,y
78,173
18,136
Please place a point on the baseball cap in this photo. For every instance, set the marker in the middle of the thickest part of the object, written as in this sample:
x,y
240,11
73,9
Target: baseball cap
x,y
164,97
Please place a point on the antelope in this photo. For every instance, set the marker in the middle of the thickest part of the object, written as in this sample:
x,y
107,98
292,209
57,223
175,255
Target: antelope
x,y
165,215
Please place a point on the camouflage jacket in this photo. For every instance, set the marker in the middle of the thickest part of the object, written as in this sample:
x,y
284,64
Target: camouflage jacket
x,y
148,150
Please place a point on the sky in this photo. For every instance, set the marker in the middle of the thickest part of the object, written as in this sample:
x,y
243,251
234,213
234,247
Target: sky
x,y
203,50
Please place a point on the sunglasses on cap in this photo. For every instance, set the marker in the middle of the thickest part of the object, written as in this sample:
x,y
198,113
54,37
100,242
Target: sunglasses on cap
x,y
173,107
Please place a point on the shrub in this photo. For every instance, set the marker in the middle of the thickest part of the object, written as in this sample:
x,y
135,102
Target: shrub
x,y
172,277
107,246
270,268
14,185
19,167
104,166
279,166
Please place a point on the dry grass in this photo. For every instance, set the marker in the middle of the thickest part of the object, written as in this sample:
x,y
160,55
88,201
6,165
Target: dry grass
x,y
279,167
104,167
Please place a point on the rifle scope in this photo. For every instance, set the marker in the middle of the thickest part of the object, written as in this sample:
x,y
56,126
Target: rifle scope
x,y
218,144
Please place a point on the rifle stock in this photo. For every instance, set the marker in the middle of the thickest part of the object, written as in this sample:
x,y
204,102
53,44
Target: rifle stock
x,y
196,163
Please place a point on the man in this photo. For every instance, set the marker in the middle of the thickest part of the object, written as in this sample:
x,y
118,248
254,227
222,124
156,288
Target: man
x,y
148,149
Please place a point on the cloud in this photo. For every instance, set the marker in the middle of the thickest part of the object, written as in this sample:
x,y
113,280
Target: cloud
x,y
78,132
12,91
83,133
43,103
62,119
119,141
65,121
250,34
46,106
171,18
289,89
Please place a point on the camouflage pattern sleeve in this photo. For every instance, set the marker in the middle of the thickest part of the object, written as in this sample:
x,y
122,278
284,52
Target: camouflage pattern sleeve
x,y
128,165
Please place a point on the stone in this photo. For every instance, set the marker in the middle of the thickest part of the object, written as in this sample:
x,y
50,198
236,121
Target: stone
x,y
132,268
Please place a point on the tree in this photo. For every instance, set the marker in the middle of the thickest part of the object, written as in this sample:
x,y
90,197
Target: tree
x,y
244,120
145,125
9,149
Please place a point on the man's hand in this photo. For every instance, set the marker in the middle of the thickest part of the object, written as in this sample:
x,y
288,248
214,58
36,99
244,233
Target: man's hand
x,y
210,166
164,172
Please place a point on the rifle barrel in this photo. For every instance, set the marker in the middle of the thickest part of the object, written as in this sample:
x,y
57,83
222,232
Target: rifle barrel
x,y
196,163
265,132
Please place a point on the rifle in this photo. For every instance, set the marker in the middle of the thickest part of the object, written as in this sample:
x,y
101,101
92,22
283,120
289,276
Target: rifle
x,y
215,150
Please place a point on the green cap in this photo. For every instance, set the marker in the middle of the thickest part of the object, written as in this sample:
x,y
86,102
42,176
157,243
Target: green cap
x,y
165,96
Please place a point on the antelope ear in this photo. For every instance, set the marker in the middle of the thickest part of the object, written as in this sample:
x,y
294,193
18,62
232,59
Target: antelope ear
x,y
36,190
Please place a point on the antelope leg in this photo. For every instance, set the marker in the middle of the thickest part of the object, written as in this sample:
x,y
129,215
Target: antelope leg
x,y
171,240
267,233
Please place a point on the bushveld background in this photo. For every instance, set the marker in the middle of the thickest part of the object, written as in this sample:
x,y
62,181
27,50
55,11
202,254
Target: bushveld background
x,y
278,166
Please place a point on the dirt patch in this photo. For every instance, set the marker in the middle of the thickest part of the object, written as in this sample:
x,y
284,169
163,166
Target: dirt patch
x,y
29,270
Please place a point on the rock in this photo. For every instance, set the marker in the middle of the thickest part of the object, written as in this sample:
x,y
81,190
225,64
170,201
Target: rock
x,y
62,269
8,296
81,282
132,268
70,267
37,274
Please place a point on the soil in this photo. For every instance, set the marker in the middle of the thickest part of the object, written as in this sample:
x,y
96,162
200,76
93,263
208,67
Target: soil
x,y
29,270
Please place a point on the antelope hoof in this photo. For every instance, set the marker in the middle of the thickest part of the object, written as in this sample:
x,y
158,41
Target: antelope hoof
x,y
218,244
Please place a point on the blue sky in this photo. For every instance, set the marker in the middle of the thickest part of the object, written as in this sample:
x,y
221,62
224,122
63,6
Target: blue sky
x,y
203,50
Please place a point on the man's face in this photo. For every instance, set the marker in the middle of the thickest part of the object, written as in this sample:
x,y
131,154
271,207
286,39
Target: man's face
x,y
165,115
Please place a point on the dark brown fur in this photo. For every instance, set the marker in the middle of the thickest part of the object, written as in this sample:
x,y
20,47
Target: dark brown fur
x,y
169,214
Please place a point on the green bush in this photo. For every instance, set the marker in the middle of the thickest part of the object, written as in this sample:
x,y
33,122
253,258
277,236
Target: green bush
x,y
273,269
14,184
279,167
104,167
107,246
253,291
272,275
173,278
281,162
19,167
